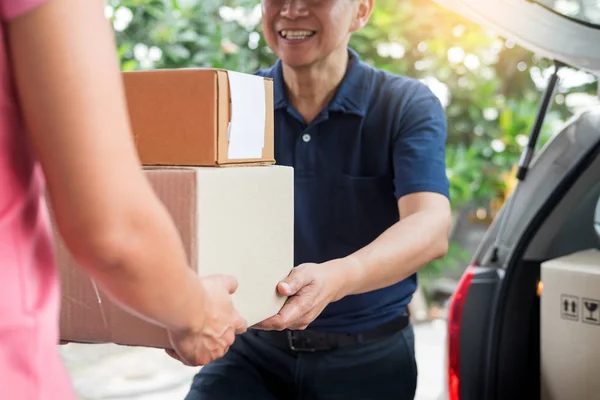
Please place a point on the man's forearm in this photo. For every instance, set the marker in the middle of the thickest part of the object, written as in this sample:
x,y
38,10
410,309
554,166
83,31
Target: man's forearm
x,y
397,253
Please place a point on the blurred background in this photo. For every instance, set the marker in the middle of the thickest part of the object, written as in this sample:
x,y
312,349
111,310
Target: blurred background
x,y
489,86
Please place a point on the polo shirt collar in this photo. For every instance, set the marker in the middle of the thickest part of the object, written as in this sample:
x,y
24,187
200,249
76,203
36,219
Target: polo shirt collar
x,y
350,97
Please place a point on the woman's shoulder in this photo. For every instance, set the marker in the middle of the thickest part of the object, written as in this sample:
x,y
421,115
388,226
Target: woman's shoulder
x,y
10,9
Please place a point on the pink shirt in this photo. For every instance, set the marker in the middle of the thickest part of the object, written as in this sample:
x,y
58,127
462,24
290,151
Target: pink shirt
x,y
30,366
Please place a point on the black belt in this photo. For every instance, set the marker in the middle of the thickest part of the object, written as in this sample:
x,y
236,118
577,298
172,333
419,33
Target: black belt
x,y
312,341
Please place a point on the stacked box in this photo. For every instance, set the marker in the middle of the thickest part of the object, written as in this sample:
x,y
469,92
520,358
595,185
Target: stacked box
x,y
205,140
200,117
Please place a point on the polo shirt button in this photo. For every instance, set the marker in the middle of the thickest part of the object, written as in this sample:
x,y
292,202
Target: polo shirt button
x,y
306,137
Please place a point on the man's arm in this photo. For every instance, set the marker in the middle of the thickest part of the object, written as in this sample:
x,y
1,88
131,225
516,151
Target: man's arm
x,y
420,237
422,190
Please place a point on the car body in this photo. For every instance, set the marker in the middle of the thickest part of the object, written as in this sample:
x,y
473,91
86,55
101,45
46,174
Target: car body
x,y
493,338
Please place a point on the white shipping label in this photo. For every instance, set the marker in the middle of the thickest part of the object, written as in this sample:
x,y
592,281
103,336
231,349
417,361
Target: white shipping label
x,y
248,114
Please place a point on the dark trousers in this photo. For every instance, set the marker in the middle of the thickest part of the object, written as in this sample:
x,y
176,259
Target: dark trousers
x,y
255,369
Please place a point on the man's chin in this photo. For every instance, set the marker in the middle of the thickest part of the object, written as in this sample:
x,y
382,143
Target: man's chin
x,y
297,61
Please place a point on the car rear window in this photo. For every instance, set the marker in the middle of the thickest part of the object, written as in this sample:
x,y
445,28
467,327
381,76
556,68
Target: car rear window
x,y
584,11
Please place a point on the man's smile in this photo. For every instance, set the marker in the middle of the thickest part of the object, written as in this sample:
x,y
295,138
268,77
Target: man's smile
x,y
296,34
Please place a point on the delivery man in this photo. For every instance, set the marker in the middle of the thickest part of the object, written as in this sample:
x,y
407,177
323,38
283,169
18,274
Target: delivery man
x,y
371,208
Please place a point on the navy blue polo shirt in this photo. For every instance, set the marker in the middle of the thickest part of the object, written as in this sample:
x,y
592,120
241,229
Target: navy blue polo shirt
x,y
381,137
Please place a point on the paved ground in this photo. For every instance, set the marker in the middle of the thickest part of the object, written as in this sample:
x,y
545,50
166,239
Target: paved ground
x,y
110,372
430,343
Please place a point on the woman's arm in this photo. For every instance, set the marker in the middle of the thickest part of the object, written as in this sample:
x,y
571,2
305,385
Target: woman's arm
x,y
69,85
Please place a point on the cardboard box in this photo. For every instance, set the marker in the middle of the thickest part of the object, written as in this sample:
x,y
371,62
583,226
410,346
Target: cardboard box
x,y
200,117
235,221
570,327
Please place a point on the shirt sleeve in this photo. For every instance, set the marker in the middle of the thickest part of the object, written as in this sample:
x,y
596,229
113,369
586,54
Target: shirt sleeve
x,y
10,9
419,155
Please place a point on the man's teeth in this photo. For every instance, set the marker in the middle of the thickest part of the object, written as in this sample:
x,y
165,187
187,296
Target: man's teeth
x,y
297,34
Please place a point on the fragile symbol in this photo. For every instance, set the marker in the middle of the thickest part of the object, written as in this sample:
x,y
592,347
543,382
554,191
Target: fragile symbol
x,y
591,313
569,307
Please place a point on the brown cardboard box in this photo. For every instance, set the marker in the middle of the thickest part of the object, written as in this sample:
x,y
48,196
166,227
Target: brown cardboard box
x,y
570,327
200,117
236,221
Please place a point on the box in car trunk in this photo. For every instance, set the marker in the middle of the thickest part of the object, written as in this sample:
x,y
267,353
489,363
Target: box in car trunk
x,y
570,327
236,221
200,117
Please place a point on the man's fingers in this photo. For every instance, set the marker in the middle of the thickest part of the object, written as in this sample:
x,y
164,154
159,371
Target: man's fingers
x,y
285,288
296,280
302,322
265,324
273,323
290,312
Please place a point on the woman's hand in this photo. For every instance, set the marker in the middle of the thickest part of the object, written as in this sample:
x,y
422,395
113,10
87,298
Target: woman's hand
x,y
217,325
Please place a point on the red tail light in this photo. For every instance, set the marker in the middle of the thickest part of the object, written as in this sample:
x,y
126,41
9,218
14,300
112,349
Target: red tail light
x,y
454,321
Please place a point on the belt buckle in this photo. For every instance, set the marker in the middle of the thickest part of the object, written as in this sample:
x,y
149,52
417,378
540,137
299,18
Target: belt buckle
x,y
302,344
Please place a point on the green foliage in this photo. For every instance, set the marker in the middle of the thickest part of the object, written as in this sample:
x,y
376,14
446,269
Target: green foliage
x,y
190,33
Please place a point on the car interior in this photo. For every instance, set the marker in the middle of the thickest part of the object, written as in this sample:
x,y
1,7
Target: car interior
x,y
566,224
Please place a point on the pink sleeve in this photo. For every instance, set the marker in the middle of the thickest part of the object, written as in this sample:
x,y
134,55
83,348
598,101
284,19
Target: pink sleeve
x,y
10,9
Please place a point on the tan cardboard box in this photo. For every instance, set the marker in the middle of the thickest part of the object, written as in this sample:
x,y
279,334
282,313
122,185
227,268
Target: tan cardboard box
x,y
570,327
200,117
236,221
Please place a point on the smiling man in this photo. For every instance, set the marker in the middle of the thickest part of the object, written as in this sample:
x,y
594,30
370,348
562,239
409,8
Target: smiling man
x,y
371,208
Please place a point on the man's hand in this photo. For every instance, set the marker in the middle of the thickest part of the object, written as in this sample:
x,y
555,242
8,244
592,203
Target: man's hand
x,y
310,287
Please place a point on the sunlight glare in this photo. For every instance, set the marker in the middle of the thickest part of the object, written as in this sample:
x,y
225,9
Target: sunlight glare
x,y
455,54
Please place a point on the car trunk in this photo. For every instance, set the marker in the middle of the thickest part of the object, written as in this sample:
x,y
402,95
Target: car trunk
x,y
514,357
501,357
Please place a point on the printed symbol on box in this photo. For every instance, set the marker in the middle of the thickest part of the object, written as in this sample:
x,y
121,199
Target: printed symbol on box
x,y
590,314
569,307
